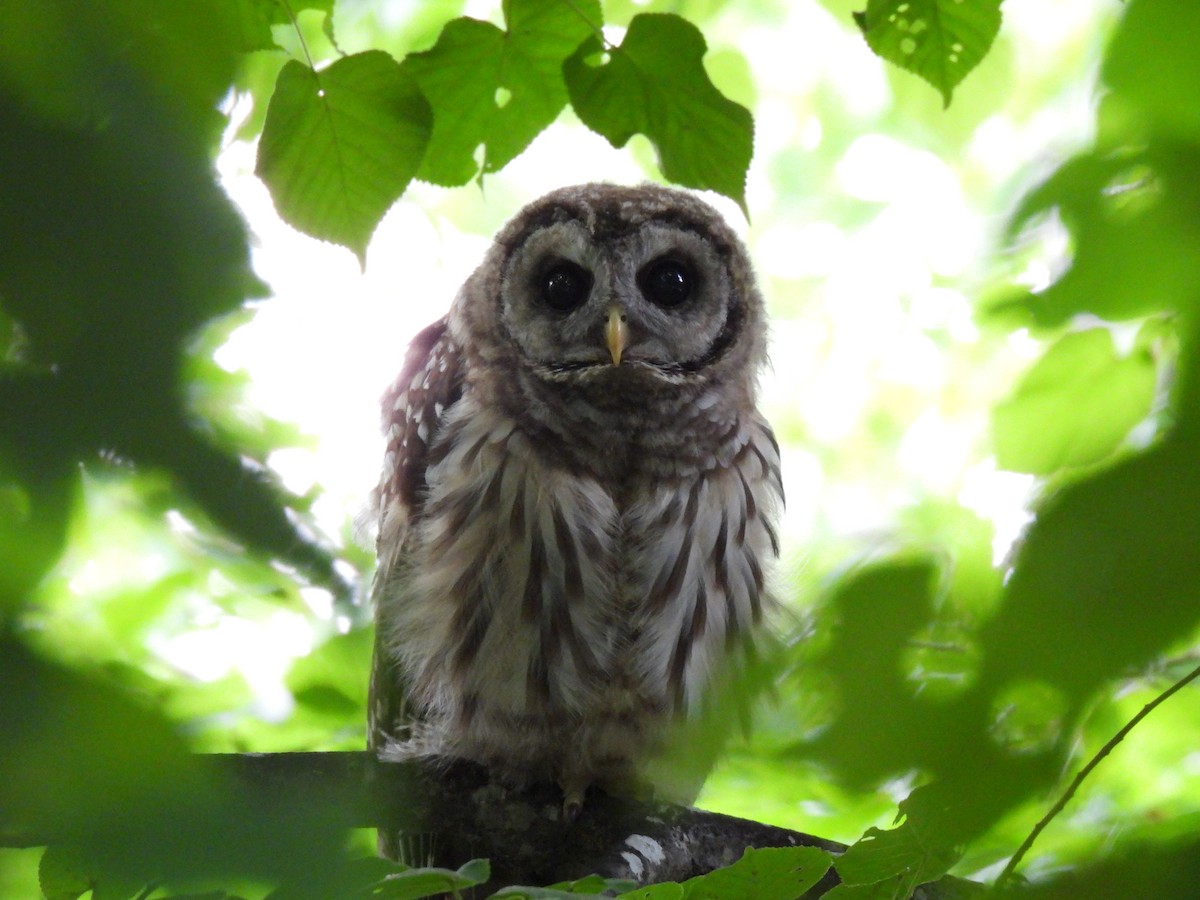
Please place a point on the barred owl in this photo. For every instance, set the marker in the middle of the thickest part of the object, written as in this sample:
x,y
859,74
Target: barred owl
x,y
579,497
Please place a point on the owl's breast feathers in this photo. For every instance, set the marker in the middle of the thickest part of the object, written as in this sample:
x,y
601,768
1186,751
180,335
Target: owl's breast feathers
x,y
523,596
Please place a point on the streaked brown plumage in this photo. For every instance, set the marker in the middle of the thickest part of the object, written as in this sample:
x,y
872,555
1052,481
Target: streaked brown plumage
x,y
578,501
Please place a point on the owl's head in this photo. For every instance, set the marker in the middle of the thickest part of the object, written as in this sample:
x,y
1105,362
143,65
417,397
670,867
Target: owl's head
x,y
599,285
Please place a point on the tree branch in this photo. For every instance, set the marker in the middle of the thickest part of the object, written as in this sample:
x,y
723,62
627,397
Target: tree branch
x,y
463,815
453,813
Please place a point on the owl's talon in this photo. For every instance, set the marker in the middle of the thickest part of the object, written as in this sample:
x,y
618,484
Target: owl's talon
x,y
572,802
571,810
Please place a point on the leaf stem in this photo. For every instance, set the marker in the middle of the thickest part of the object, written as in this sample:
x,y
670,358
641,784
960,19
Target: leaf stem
x,y
596,29
1062,801
299,34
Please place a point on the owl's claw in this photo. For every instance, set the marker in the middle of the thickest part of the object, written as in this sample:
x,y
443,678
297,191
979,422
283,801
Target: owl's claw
x,y
572,801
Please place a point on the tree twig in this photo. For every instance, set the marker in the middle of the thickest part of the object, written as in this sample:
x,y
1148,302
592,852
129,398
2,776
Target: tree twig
x,y
1073,787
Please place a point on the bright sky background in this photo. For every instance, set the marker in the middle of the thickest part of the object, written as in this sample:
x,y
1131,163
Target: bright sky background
x,y
868,321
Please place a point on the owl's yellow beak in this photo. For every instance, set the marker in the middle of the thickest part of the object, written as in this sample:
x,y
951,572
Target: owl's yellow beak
x,y
616,334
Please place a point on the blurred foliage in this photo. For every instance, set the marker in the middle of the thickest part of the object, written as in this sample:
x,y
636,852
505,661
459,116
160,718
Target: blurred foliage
x,y
927,687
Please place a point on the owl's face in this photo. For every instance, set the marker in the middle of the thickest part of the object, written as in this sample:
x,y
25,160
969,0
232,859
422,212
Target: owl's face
x,y
606,283
654,297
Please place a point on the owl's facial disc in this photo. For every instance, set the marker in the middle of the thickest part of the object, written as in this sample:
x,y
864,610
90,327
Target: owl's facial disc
x,y
652,300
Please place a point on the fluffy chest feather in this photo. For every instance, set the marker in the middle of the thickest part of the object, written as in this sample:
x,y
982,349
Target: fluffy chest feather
x,y
534,597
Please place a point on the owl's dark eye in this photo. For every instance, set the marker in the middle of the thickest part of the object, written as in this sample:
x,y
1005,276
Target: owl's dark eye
x,y
565,286
666,282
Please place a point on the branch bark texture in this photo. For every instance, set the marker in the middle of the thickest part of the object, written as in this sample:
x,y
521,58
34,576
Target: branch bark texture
x,y
460,814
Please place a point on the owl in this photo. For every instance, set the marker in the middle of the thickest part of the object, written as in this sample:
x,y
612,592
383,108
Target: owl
x,y
579,499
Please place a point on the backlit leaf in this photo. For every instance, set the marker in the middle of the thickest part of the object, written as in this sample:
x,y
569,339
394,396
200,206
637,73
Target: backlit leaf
x,y
1075,406
339,146
939,40
496,89
655,84
1135,223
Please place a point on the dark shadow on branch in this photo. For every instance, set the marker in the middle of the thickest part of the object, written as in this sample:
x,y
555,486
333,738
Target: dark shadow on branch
x,y
520,830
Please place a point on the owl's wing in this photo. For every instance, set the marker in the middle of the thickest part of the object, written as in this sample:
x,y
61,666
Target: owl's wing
x,y
430,382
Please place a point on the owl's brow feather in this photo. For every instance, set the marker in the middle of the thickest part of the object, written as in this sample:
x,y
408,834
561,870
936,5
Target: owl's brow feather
x,y
605,222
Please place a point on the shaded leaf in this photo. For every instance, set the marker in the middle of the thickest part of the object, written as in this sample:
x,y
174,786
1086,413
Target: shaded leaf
x,y
773,873
1105,579
80,760
939,40
64,874
594,884
254,19
244,501
35,510
667,890
879,729
900,859
129,247
340,666
49,52
416,883
1075,406
521,892
1135,221
339,146
1151,869
496,89
1154,65
655,84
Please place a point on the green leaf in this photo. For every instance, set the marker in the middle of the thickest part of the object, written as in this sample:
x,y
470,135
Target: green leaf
x,y
416,883
520,892
1135,222
35,513
129,246
254,18
1105,579
655,84
382,878
1153,63
881,728
336,672
589,887
939,40
899,855
496,89
1075,406
339,146
50,52
64,874
667,890
85,761
594,884
774,873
